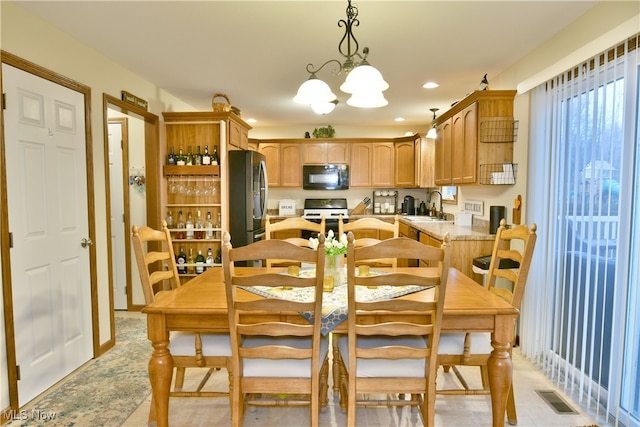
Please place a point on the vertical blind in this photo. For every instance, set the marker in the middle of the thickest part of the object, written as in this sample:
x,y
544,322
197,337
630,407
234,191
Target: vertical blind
x,y
580,315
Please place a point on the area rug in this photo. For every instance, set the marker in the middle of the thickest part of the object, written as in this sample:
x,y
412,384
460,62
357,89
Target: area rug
x,y
104,392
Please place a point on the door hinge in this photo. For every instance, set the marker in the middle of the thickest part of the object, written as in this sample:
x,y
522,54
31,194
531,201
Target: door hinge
x,y
18,372
10,240
123,218
4,101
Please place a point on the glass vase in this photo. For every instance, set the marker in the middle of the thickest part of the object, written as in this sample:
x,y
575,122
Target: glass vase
x,y
334,267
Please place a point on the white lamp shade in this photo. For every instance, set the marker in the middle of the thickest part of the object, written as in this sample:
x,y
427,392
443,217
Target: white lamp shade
x,y
432,134
364,78
323,108
367,100
314,91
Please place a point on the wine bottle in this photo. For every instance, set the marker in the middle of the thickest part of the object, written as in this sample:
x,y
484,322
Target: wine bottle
x,y
169,219
199,231
199,263
206,158
191,262
214,158
181,227
181,260
180,160
219,226
218,257
197,158
190,231
209,232
209,260
189,161
171,158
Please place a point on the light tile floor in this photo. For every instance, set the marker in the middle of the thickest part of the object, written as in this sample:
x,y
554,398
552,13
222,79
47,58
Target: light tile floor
x,y
451,411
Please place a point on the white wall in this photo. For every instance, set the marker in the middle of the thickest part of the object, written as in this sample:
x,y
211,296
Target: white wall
x,y
34,40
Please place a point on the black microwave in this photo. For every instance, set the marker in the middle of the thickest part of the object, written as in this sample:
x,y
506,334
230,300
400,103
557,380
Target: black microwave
x,y
325,177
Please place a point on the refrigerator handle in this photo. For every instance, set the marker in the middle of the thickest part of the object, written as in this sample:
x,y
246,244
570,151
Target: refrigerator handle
x,y
263,172
259,236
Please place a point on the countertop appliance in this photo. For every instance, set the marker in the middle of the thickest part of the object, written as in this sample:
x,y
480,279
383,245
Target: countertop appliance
x,y
331,208
248,195
409,205
325,177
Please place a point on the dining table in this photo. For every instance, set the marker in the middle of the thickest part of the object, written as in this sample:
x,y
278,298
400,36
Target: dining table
x,y
200,305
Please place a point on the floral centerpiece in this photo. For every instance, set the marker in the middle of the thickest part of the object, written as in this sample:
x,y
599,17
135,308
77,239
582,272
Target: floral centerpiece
x,y
334,250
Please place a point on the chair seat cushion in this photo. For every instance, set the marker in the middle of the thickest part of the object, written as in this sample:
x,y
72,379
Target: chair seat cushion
x,y
372,368
286,368
453,343
184,344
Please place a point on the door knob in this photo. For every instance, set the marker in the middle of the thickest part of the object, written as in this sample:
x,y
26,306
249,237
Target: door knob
x,y
86,242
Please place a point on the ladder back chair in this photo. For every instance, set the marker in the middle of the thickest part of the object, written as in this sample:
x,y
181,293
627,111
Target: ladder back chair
x,y
159,275
272,355
293,226
394,355
392,230
474,349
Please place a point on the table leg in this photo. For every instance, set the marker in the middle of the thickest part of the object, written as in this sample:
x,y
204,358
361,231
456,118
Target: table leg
x,y
160,367
500,368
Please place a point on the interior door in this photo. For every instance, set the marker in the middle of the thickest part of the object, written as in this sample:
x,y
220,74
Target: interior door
x,y
117,162
48,220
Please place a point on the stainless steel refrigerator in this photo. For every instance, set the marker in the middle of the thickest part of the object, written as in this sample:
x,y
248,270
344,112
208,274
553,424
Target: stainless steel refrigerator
x,y
248,195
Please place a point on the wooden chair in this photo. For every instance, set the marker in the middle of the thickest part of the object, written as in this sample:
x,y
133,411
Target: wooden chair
x,y
473,349
273,355
159,275
293,226
394,356
372,224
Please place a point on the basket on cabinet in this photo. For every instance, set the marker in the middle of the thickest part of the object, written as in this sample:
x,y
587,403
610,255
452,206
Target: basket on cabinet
x,y
498,173
498,129
221,107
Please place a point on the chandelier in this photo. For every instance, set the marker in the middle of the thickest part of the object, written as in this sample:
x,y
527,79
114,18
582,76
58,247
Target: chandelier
x,y
363,82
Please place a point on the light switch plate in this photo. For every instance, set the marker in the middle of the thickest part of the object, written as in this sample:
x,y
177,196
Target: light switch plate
x,y
475,207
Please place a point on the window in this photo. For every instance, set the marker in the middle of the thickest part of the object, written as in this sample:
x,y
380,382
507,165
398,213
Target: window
x,y
580,314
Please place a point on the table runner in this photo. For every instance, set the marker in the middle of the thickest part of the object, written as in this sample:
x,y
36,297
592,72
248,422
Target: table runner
x,y
334,304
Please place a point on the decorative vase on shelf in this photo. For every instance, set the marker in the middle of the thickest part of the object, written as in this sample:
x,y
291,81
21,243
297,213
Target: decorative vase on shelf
x,y
334,267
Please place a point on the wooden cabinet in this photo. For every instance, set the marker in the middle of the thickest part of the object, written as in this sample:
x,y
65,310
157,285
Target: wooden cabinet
x,y
291,165
325,153
284,163
425,162
460,149
199,189
379,163
372,164
238,135
405,155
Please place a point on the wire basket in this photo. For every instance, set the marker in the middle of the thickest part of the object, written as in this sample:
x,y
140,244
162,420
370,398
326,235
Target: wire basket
x,y
498,173
498,129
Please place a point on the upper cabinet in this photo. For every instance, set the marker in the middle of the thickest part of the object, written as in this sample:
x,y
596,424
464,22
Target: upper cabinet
x,y
379,162
476,135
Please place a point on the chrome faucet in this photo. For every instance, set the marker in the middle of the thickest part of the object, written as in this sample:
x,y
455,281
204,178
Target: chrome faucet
x,y
441,213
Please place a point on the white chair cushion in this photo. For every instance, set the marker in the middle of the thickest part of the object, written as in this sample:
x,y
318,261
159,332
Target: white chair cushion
x,y
285,368
184,344
453,343
367,368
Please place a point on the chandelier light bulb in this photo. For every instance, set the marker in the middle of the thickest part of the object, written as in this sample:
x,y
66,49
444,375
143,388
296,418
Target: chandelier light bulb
x,y
364,78
367,100
323,108
314,91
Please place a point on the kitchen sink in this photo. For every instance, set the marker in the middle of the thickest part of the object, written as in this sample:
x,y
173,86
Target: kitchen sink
x,y
419,218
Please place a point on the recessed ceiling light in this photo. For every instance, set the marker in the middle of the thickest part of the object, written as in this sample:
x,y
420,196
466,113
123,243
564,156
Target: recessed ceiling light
x,y
251,120
430,85
399,119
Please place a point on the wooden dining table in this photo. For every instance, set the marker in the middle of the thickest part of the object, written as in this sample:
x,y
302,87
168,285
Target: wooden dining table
x,y
201,305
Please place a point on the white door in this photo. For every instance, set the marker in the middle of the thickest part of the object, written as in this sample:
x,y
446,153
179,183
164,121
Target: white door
x,y
48,219
118,236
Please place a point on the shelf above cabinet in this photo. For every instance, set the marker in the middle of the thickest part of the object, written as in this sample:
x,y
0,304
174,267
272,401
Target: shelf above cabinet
x,y
170,170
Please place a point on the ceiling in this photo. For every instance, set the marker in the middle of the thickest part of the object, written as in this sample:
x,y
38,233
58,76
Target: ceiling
x,y
256,51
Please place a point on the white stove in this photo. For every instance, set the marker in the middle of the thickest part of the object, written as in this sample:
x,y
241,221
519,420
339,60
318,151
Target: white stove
x,y
314,209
